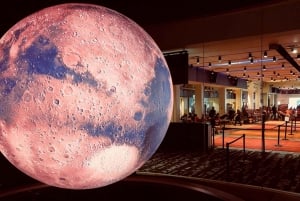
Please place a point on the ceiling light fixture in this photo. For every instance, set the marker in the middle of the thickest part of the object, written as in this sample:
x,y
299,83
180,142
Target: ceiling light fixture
x,y
282,66
243,62
264,68
250,56
220,59
265,54
229,63
198,60
274,58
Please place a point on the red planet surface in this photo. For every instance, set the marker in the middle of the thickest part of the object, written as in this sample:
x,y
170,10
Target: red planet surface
x,y
86,96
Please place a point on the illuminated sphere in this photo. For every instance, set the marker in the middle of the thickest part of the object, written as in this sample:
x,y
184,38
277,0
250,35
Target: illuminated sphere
x,y
86,96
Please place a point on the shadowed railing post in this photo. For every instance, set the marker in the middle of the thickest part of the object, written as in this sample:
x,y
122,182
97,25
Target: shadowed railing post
x,y
291,126
285,129
228,152
227,160
223,136
278,137
263,132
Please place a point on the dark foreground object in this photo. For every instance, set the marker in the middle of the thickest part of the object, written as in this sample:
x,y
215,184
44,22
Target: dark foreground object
x,y
135,187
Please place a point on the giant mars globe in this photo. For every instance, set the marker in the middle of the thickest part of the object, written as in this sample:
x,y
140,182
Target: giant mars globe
x,y
86,96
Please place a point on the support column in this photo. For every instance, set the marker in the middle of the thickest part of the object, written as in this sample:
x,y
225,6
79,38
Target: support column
x,y
222,100
199,101
176,106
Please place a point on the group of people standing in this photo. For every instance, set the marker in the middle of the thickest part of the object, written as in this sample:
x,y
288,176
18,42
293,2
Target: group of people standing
x,y
236,117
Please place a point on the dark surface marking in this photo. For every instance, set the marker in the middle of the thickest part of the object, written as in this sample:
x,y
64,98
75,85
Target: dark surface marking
x,y
42,58
107,130
7,85
5,57
138,116
17,33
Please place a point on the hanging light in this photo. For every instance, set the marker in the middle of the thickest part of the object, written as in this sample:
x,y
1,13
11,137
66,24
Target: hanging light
x,y
227,70
251,60
298,56
250,55
245,69
220,59
198,60
274,58
265,54
244,74
264,68
209,64
282,66
229,63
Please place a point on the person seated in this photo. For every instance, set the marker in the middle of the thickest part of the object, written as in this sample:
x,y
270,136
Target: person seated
x,y
231,114
245,116
238,118
184,117
224,117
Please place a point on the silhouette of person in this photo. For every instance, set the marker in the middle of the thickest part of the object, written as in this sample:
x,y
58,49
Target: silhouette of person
x,y
238,117
212,113
274,112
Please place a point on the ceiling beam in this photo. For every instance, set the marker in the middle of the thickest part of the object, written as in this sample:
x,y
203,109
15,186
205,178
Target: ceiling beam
x,y
284,54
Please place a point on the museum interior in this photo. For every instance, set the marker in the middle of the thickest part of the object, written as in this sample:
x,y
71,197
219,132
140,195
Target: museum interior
x,y
234,131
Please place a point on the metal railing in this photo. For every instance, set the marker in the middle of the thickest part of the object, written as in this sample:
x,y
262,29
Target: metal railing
x,y
228,151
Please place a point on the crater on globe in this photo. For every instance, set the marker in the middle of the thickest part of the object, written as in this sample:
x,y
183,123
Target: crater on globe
x,y
86,96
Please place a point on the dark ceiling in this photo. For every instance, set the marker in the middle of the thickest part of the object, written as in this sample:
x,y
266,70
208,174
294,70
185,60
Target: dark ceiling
x,y
142,12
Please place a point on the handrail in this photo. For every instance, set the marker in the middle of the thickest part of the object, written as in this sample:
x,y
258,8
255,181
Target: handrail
x,y
227,151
